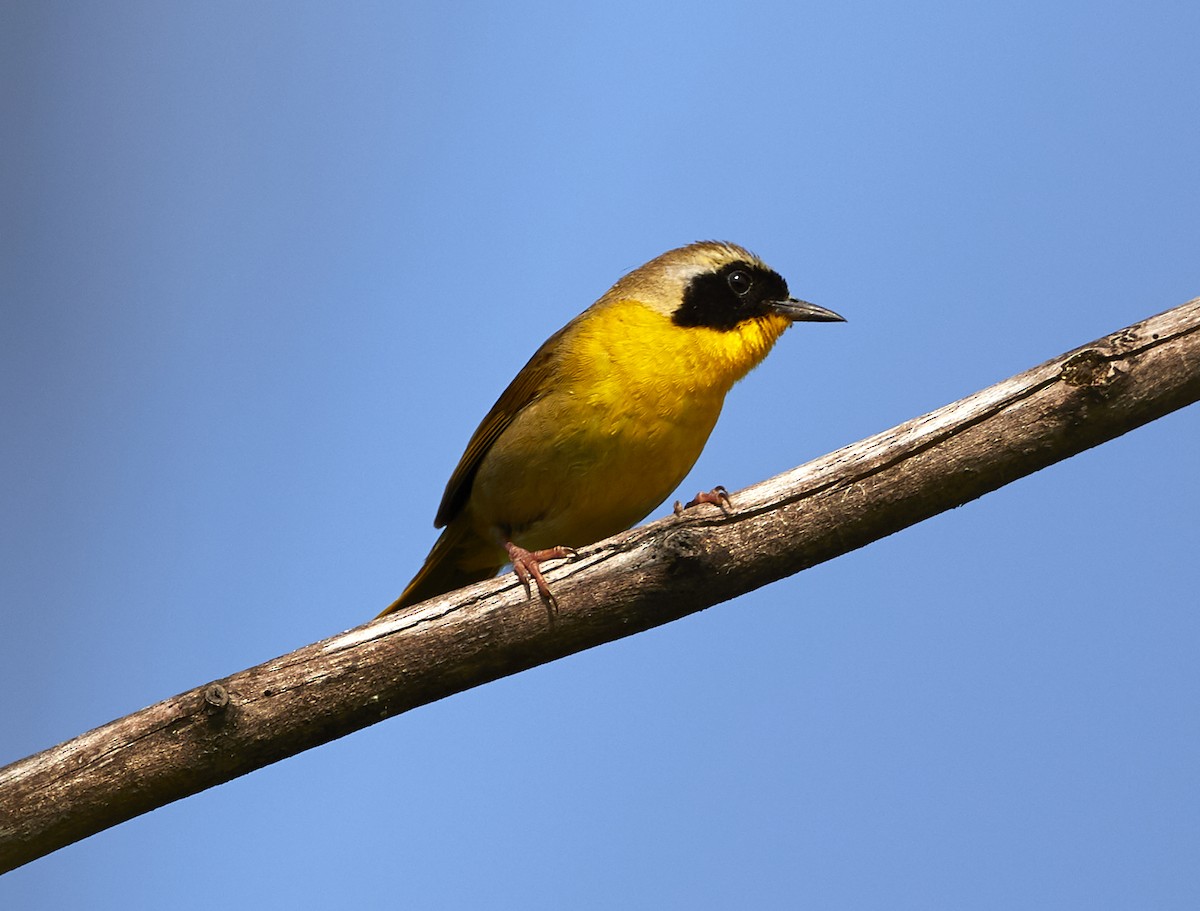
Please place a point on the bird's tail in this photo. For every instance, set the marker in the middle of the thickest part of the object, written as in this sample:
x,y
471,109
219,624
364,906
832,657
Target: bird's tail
x,y
453,562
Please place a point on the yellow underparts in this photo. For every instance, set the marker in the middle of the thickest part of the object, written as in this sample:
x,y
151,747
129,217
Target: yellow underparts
x,y
615,433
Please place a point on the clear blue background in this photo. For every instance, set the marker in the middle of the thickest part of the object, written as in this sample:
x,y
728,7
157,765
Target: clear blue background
x,y
265,267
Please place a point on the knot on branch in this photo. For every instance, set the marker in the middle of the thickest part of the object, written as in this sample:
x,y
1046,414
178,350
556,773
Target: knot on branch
x,y
691,550
1090,369
216,699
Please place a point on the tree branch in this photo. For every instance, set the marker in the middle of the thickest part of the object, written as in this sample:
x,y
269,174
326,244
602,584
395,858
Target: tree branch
x,y
626,584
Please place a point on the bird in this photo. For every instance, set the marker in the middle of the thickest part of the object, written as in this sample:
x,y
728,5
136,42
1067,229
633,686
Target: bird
x,y
608,416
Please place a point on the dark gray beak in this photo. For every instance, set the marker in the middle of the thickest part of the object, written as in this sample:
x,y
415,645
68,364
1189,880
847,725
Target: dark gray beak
x,y
804,312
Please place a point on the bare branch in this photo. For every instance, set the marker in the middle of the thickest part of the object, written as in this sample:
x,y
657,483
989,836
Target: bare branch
x,y
632,582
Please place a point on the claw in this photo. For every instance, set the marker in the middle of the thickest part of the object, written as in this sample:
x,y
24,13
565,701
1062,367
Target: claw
x,y
527,565
718,496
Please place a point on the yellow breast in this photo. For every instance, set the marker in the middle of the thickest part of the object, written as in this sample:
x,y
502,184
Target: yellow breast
x,y
631,404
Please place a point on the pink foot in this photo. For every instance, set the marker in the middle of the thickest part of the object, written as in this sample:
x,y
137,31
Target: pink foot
x,y
718,496
527,565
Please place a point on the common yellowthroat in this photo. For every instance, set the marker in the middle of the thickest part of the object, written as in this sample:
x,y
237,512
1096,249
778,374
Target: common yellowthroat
x,y
608,416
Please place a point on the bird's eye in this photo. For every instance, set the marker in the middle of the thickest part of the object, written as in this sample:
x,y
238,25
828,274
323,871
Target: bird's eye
x,y
739,282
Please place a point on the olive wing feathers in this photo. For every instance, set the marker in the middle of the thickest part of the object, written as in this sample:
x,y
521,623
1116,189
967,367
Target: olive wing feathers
x,y
533,381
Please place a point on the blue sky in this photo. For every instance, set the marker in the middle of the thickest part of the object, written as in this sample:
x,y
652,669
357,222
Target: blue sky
x,y
264,269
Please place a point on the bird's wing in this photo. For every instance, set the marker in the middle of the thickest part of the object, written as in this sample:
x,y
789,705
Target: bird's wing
x,y
531,382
